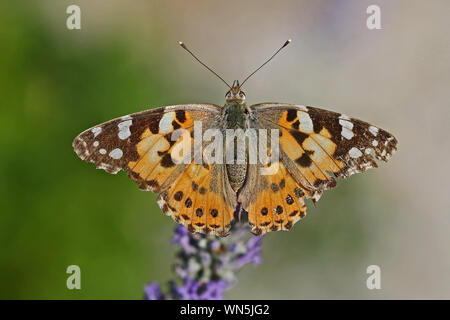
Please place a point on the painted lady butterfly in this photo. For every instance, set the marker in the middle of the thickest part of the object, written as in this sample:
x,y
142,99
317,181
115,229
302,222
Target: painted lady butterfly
x,y
315,146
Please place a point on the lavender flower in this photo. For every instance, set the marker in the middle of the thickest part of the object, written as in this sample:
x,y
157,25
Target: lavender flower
x,y
205,266
153,292
252,253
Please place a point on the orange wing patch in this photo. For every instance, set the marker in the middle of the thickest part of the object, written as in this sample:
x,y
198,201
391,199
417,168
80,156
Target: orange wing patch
x,y
154,166
321,143
279,202
313,153
197,200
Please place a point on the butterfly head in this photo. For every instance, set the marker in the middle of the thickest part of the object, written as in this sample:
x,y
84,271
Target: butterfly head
x,y
235,93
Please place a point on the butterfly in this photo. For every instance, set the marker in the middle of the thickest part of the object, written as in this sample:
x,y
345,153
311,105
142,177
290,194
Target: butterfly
x,y
315,146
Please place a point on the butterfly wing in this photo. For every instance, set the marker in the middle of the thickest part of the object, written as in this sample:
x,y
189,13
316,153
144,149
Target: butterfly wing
x,y
272,202
316,145
141,144
201,199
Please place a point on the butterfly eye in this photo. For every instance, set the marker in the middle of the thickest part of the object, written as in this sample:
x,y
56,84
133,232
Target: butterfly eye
x,y
241,94
228,94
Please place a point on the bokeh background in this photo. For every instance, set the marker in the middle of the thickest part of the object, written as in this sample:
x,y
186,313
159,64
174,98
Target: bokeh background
x,y
57,210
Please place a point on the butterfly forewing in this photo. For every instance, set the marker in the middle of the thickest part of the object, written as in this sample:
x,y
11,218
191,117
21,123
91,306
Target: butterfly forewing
x,y
335,142
128,142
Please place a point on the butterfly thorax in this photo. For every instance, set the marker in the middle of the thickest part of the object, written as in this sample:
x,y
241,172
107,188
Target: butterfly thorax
x,y
235,114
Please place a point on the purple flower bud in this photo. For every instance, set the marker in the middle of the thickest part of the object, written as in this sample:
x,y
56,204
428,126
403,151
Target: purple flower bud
x,y
183,238
253,253
188,291
214,290
153,292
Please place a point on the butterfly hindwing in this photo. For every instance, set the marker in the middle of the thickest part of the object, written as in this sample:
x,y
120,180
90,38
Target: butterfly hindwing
x,y
273,202
201,199
273,193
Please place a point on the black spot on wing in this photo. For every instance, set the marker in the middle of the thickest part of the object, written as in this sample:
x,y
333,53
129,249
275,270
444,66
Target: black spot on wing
x,y
291,115
264,211
289,199
274,187
293,213
279,209
305,160
175,125
166,161
178,195
298,136
299,192
214,213
154,125
180,115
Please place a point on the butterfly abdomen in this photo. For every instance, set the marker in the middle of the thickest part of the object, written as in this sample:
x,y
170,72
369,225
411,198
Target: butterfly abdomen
x,y
236,175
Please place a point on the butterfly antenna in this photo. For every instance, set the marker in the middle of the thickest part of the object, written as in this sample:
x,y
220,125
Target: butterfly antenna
x,y
185,48
284,45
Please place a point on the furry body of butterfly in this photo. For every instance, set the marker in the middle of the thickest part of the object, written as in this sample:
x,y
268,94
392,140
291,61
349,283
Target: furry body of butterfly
x,y
236,116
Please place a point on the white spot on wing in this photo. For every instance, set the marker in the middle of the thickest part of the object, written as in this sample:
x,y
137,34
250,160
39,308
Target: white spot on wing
x,y
306,124
102,151
124,129
355,153
116,153
86,151
165,125
347,133
373,130
374,143
347,127
96,131
96,144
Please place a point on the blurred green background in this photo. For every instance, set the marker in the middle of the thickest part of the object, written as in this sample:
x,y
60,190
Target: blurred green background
x,y
57,210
